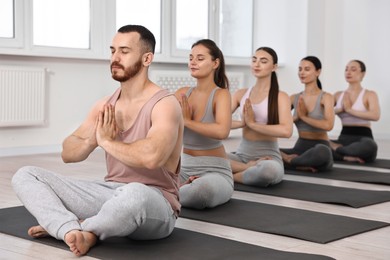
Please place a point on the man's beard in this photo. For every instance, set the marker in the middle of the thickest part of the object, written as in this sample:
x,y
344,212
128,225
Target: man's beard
x,y
128,72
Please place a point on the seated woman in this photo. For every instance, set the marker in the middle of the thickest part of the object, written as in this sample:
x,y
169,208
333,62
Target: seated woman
x,y
313,117
205,175
265,116
356,107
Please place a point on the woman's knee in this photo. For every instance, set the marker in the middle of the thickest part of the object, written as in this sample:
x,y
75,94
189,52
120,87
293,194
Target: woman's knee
x,y
323,152
369,144
205,193
265,173
200,189
370,148
325,157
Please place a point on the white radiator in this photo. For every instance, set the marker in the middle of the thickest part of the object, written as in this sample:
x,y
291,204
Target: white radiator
x,y
173,80
22,96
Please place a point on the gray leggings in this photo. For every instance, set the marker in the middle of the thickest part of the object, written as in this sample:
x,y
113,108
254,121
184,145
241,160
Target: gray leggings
x,y
107,208
311,153
214,185
265,172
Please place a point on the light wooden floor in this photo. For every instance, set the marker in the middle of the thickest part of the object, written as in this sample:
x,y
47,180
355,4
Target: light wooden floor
x,y
370,245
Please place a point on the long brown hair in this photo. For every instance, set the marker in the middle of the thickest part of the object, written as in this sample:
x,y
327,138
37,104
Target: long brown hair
x,y
317,65
273,94
220,78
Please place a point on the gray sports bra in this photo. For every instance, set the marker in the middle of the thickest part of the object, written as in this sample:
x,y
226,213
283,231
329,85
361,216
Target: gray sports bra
x,y
317,113
196,141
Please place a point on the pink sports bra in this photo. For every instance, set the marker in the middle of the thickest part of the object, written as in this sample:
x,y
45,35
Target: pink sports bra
x,y
260,109
348,119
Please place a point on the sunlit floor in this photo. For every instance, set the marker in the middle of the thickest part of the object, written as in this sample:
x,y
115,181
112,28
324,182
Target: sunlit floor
x,y
369,245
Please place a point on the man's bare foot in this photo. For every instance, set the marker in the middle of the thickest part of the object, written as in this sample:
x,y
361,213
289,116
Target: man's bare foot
x,y
37,232
80,242
353,159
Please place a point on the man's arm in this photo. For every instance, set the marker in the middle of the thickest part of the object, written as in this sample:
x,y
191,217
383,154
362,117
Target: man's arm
x,y
160,144
82,142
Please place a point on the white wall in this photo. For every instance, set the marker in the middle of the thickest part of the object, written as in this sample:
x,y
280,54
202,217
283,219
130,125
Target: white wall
x,y
357,29
73,86
334,30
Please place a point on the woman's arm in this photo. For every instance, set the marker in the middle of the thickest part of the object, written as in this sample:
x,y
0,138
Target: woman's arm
x,y
236,100
327,122
335,98
371,102
219,129
282,130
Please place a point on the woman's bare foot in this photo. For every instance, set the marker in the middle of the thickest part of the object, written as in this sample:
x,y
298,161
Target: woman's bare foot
x,y
334,145
37,232
190,179
250,164
353,159
264,159
80,242
307,168
288,157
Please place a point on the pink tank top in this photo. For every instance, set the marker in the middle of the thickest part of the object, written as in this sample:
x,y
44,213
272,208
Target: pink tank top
x,y
167,182
348,119
260,109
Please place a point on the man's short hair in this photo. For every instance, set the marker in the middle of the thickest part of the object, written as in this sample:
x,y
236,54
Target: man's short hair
x,y
146,36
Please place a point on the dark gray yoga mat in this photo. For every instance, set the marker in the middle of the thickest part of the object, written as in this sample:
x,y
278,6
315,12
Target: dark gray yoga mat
x,y
355,198
182,244
347,175
378,163
302,224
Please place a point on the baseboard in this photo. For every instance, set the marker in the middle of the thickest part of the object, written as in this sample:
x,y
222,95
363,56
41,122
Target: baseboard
x,y
16,151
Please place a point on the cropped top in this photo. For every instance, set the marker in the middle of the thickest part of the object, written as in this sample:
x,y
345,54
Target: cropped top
x,y
196,141
348,119
163,179
260,109
317,113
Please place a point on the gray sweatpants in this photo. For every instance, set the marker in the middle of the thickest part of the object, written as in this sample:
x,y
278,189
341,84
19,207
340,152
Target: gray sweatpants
x,y
107,208
214,185
265,172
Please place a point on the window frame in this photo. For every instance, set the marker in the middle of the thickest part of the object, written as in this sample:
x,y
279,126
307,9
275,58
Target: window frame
x,y
19,21
103,28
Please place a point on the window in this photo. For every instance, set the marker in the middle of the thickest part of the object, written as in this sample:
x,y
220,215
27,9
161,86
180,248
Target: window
x,y
7,19
146,13
11,24
228,22
191,22
235,27
59,23
84,28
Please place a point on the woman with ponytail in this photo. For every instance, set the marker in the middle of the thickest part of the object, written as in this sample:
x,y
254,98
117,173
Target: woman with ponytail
x,y
313,117
205,174
265,117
